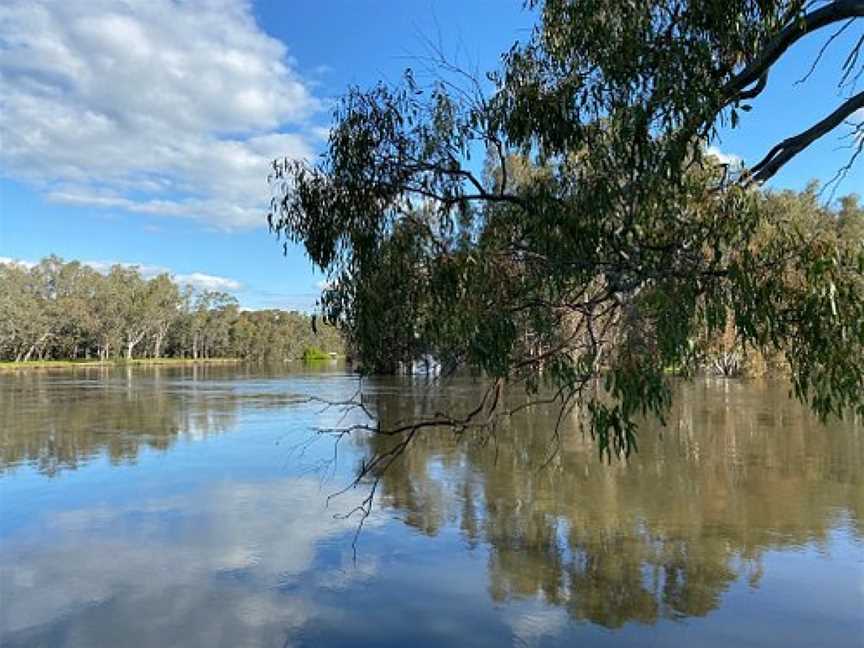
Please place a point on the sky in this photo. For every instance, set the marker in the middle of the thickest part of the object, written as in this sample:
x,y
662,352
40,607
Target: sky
x,y
141,131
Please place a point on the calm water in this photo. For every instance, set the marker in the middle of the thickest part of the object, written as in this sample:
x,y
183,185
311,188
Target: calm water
x,y
188,507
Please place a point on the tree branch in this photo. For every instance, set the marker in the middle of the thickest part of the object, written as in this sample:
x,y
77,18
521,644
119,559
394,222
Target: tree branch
x,y
792,146
788,36
823,49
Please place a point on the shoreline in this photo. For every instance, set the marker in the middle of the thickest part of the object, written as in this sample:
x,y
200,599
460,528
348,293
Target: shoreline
x,y
31,365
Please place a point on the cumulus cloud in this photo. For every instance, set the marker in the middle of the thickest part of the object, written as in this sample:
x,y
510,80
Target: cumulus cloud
x,y
204,281
149,106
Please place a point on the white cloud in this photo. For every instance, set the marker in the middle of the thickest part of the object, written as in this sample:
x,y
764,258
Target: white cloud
x,y
198,280
267,299
149,106
734,161
147,271
208,282
20,262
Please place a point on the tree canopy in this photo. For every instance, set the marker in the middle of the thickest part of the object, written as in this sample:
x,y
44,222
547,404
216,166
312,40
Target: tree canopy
x,y
65,311
561,223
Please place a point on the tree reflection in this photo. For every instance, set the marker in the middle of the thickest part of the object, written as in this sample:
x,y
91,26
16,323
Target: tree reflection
x,y
59,423
739,470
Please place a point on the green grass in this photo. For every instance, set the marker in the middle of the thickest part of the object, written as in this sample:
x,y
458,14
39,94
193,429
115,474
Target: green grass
x,y
71,364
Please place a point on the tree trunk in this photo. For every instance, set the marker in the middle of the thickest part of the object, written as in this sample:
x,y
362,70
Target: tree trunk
x,y
35,345
161,332
132,341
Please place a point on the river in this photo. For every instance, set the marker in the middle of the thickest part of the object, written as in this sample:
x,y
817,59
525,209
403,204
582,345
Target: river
x,y
188,506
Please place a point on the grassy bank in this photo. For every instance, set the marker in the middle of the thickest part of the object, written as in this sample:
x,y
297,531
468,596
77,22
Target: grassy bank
x,y
75,364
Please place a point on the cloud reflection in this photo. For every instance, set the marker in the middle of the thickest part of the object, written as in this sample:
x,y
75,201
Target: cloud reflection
x,y
220,567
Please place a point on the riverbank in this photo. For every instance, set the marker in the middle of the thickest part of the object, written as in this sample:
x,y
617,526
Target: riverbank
x,y
137,362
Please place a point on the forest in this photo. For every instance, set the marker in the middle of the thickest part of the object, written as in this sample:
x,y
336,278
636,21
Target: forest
x,y
811,217
57,310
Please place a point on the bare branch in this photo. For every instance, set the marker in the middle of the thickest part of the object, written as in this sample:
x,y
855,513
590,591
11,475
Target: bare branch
x,y
850,62
780,154
857,146
822,50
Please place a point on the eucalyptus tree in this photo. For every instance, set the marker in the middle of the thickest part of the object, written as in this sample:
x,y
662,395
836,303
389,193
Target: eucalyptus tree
x,y
198,322
165,303
15,309
131,296
71,310
220,321
108,310
59,310
131,308
211,320
40,291
626,241
44,309
850,218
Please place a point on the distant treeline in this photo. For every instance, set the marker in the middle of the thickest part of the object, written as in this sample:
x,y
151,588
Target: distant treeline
x,y
56,310
807,213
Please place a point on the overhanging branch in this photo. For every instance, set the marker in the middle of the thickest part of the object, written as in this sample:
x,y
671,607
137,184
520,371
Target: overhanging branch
x,y
831,13
792,146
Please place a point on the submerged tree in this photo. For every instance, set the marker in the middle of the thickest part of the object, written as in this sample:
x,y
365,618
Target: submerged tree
x,y
598,239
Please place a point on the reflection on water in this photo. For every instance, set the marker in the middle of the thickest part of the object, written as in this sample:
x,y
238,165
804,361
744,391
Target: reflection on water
x,y
738,471
218,566
172,507
58,420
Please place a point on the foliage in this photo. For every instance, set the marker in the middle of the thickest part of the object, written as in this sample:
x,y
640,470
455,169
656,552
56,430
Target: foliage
x,y
68,311
599,240
724,351
311,354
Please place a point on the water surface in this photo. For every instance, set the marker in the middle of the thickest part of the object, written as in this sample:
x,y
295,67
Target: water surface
x,y
188,507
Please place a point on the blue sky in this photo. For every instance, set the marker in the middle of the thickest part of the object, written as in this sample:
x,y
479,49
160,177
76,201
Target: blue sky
x,y
140,132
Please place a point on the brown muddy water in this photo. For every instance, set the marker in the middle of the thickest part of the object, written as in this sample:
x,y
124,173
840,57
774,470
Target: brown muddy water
x,y
188,507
